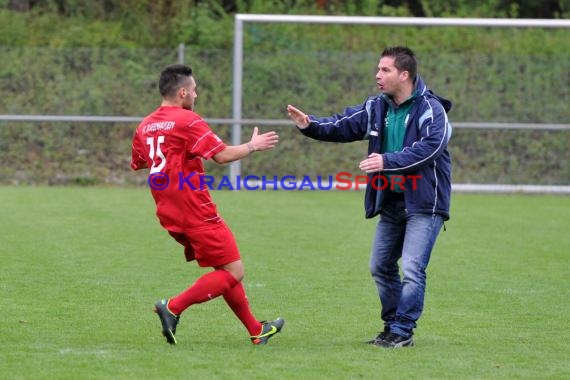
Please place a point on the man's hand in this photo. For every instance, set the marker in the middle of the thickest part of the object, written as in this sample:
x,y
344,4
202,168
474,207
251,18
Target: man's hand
x,y
300,118
262,142
374,163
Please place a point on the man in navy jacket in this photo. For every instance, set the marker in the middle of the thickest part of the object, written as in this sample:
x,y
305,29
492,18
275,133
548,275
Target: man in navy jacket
x,y
407,129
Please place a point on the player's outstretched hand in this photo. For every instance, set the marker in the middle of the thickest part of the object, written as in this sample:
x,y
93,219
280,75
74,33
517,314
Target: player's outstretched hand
x,y
300,118
264,141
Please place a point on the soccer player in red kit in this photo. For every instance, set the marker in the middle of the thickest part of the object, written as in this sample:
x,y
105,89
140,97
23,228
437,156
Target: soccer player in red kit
x,y
171,142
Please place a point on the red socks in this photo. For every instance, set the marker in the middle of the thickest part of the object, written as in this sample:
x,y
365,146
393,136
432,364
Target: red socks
x,y
207,287
212,285
237,301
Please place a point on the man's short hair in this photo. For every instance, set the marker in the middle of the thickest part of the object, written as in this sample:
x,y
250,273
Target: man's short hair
x,y
172,78
404,59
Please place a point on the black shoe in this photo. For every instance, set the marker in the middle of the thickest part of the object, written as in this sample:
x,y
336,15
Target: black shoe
x,y
380,336
168,319
268,329
395,341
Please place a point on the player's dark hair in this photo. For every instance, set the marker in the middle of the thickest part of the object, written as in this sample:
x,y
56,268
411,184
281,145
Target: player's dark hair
x,y
172,78
404,59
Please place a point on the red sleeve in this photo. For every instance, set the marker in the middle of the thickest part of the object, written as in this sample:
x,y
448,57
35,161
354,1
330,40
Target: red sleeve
x,y
138,160
206,143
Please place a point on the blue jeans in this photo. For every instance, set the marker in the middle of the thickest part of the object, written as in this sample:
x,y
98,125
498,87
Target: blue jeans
x,y
411,239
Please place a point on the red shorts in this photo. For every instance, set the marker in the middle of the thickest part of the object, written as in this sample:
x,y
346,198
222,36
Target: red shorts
x,y
210,247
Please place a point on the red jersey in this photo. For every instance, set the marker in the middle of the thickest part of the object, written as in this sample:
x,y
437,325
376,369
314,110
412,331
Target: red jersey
x,y
172,142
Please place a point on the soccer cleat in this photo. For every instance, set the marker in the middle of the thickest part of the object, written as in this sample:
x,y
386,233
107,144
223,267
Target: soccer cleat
x,y
168,319
380,336
395,341
268,329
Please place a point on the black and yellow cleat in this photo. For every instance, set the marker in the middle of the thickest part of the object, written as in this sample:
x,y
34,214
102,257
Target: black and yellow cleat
x,y
268,329
168,320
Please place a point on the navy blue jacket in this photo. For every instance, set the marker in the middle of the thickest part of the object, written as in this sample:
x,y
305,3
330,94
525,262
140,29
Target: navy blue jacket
x,y
424,154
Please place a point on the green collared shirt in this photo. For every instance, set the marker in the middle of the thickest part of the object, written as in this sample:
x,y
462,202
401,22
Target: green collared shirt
x,y
395,128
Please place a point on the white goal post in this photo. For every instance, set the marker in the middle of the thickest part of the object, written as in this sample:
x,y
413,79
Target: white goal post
x,y
241,19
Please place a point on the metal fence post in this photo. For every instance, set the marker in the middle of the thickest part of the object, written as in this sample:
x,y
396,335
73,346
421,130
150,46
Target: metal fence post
x,y
181,54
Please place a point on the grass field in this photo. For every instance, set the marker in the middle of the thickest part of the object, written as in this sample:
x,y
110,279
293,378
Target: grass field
x,y
81,267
